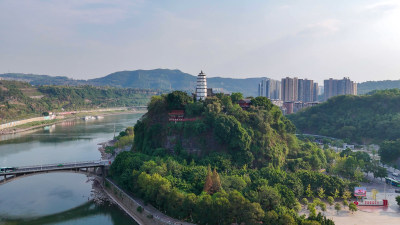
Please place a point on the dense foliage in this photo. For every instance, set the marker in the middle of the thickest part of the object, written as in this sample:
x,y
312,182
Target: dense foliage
x,y
247,195
390,150
19,99
363,119
226,166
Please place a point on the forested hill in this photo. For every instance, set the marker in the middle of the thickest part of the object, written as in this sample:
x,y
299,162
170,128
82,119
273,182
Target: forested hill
x,y
21,100
373,117
368,86
160,79
225,165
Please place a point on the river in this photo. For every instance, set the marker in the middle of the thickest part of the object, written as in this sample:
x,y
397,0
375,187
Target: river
x,y
58,198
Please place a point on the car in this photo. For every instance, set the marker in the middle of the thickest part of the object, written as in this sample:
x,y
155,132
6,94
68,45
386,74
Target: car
x,y
395,174
397,191
7,169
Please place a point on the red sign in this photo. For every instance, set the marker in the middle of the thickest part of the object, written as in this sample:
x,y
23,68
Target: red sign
x,y
360,191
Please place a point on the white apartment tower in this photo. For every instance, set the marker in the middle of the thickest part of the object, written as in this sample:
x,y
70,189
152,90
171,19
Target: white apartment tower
x,y
201,88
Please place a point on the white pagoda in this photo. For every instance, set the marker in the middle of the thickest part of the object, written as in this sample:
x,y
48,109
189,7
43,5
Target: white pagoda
x,y
201,88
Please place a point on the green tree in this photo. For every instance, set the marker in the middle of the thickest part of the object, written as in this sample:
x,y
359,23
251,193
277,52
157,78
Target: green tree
x,y
236,96
353,207
311,208
322,206
398,200
309,192
336,194
321,193
345,203
346,195
178,100
380,172
304,201
268,197
297,207
262,102
337,208
287,219
271,217
330,200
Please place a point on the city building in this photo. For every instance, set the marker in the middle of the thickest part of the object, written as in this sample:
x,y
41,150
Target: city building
x,y
300,90
305,90
333,87
315,92
289,89
270,88
201,87
288,107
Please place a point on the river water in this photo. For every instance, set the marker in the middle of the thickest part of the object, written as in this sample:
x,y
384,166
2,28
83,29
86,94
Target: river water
x,y
58,198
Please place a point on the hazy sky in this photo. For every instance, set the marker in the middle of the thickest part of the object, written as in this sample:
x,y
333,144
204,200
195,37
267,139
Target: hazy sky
x,y
313,39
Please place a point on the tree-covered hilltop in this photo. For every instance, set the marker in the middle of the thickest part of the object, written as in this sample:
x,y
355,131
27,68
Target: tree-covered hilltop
x,y
21,100
368,86
362,119
225,165
259,136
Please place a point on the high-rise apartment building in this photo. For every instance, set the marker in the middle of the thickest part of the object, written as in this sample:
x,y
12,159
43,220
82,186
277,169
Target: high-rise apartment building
x,y
333,87
300,90
305,90
289,89
315,92
270,88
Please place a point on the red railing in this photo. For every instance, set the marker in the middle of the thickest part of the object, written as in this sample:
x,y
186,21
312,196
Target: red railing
x,y
183,119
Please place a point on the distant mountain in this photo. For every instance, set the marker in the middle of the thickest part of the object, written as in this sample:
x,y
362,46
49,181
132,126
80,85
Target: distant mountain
x,y
368,86
162,79
155,79
36,79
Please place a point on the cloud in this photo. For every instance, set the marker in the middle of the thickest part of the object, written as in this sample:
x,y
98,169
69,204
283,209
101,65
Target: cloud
x,y
382,7
323,28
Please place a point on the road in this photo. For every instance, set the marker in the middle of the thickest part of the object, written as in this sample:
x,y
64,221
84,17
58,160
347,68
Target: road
x,y
54,167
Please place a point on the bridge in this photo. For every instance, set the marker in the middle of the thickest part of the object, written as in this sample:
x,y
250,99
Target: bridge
x,y
14,172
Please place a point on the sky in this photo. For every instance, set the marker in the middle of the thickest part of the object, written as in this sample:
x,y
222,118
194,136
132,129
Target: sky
x,y
314,39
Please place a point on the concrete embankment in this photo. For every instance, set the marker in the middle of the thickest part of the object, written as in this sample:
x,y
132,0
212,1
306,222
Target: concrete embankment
x,y
14,127
146,214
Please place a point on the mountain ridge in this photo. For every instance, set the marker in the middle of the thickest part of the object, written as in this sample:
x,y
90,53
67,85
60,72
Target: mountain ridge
x,y
163,79
172,79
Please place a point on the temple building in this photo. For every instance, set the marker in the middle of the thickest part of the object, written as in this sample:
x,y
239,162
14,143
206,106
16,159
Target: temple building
x,y
201,88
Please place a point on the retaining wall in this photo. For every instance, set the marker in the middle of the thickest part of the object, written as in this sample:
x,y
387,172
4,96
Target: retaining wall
x,y
149,214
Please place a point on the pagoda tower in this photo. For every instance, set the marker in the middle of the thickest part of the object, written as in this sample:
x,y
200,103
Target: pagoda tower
x,y
201,88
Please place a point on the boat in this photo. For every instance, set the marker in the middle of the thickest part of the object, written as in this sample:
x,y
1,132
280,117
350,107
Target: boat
x,y
86,118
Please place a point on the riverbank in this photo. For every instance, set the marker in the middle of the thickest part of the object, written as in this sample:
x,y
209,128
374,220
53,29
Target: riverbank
x,y
32,126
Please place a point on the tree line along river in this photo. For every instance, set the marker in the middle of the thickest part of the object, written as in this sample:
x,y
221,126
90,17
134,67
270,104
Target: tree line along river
x,y
58,198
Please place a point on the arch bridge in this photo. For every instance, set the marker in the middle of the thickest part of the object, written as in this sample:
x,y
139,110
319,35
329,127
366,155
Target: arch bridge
x,y
10,173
